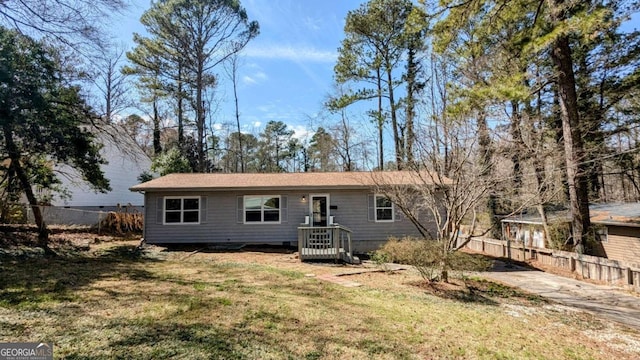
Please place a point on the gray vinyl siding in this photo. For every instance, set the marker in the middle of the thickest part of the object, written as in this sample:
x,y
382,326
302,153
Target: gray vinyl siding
x,y
219,220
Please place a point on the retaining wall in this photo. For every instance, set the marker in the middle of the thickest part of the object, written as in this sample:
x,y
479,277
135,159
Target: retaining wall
x,y
589,267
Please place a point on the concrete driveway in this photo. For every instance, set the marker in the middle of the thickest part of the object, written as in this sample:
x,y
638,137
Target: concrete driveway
x,y
601,300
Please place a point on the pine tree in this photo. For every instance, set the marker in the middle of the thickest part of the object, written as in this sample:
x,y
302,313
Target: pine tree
x,y
43,120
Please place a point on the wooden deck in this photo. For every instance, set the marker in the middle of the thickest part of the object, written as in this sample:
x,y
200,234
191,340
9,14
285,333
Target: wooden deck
x,y
328,253
325,243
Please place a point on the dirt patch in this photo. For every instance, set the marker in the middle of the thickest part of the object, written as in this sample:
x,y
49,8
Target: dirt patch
x,y
22,240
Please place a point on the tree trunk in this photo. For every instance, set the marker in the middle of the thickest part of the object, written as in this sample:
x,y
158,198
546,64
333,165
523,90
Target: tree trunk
x,y
411,91
545,226
397,140
200,118
573,143
16,166
109,90
157,147
486,154
516,155
180,110
556,126
235,98
380,123
347,143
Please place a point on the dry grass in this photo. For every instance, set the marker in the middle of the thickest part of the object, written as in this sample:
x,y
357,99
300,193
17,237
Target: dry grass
x,y
118,302
123,221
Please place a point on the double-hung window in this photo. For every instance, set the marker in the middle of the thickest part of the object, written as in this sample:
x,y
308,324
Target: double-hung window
x,y
182,210
261,209
384,209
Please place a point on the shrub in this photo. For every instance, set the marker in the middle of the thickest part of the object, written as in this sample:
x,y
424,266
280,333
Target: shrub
x,y
381,259
429,257
560,236
121,222
13,214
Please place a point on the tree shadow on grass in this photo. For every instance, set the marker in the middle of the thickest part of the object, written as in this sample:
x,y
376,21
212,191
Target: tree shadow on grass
x,y
479,291
27,283
455,290
164,339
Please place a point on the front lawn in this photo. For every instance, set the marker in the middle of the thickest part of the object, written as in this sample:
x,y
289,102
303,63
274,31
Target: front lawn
x,y
116,302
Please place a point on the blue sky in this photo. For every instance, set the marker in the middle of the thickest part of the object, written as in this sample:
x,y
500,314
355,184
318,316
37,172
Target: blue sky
x,y
287,71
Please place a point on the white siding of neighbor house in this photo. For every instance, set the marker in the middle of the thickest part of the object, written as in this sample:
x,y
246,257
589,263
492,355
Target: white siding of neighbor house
x,y
220,220
126,161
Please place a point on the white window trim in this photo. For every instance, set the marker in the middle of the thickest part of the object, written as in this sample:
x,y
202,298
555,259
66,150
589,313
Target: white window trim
x,y
182,198
375,210
328,196
261,222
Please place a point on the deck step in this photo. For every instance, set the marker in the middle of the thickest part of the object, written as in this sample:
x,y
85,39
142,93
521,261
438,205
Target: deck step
x,y
351,259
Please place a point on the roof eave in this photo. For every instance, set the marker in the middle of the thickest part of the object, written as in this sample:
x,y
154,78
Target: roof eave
x,y
616,223
249,188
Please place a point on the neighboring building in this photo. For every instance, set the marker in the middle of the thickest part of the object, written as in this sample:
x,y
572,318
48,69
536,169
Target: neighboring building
x,y
126,161
274,208
617,226
619,230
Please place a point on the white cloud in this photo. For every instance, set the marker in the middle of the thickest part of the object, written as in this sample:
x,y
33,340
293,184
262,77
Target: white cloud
x,y
312,23
301,132
254,78
249,80
291,53
257,124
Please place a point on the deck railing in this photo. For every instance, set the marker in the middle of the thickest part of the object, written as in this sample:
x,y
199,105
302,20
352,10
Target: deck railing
x,y
324,242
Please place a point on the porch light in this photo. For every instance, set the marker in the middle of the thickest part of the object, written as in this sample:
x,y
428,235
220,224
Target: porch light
x,y
304,198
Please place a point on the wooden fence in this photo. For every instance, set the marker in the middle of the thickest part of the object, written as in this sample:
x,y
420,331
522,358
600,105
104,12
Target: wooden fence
x,y
589,267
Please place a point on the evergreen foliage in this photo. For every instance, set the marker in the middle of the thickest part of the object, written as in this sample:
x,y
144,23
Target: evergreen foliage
x,y
44,121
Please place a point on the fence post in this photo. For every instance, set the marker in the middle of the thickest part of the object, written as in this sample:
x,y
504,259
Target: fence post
x,y
301,243
99,221
335,237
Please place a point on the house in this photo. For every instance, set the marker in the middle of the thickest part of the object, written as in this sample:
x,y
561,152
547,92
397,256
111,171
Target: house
x,y
316,210
528,229
619,230
617,227
82,205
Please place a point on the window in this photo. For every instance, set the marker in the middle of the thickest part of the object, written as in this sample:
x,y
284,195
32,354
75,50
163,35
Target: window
x,y
384,208
179,210
261,209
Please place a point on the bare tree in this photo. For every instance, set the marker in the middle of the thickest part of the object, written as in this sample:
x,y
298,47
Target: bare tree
x,y
232,72
75,23
449,189
113,86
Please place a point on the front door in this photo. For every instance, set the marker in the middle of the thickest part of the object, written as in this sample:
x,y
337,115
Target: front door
x,y
319,210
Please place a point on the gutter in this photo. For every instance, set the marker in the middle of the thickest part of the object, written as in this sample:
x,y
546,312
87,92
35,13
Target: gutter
x,y
253,188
